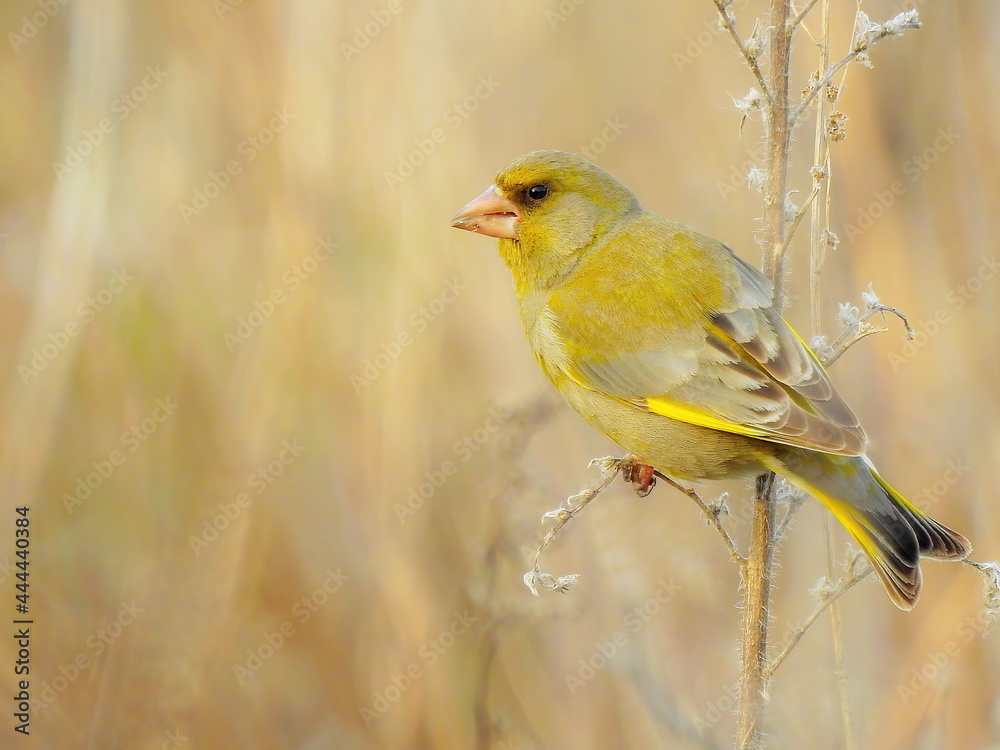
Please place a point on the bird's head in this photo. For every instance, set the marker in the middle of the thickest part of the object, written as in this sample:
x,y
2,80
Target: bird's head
x,y
547,208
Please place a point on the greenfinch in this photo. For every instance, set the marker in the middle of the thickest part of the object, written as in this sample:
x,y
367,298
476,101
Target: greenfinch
x,y
670,345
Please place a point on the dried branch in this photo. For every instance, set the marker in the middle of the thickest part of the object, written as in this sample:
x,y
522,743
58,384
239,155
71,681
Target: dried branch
x,y
857,328
866,36
820,241
729,22
570,507
797,21
712,515
796,220
759,568
611,467
837,632
857,571
794,500
991,587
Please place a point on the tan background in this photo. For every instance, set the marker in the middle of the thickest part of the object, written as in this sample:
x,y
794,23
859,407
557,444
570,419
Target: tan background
x,y
428,612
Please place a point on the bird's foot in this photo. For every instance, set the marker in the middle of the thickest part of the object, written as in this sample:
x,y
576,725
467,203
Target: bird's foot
x,y
639,474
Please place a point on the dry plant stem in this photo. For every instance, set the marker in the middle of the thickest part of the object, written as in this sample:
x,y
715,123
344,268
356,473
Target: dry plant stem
x,y
831,71
801,16
837,632
571,508
794,505
777,138
820,219
854,334
611,468
820,209
712,514
991,589
757,574
843,587
799,215
759,569
729,22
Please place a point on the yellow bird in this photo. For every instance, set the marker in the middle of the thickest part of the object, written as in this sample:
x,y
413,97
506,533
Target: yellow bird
x,y
669,344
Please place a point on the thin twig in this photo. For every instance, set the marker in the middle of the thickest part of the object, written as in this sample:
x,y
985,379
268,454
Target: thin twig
x,y
729,22
820,217
860,48
822,82
802,16
712,514
759,568
839,350
793,505
862,329
567,511
778,139
991,588
610,467
836,631
843,586
820,225
796,221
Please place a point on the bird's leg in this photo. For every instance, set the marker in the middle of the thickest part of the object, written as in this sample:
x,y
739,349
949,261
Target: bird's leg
x,y
639,474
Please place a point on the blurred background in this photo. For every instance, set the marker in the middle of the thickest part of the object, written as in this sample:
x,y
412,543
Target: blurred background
x,y
286,451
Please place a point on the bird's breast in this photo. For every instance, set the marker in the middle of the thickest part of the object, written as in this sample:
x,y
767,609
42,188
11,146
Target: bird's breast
x,y
548,344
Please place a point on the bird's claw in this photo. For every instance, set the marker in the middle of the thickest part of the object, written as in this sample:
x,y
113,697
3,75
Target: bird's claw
x,y
639,474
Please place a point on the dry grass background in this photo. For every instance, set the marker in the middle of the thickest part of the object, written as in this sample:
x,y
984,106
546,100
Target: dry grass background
x,y
164,677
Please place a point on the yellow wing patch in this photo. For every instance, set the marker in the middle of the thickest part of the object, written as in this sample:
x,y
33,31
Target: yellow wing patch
x,y
685,413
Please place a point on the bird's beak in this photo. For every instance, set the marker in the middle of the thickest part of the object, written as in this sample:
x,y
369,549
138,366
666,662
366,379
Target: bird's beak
x,y
491,214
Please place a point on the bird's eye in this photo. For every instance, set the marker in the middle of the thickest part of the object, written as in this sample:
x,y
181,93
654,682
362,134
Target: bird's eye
x,y
537,192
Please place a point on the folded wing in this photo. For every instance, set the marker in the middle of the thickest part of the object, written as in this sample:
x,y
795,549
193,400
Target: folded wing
x,y
742,369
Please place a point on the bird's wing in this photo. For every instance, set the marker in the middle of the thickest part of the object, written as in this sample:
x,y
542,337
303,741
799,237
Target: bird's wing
x,y
740,369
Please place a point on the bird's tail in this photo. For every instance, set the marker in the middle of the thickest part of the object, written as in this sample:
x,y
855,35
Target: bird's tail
x,y
892,532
